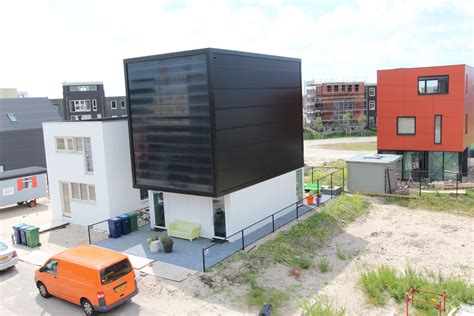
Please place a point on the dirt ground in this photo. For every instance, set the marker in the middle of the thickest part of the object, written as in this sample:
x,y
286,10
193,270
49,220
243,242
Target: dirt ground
x,y
388,234
315,154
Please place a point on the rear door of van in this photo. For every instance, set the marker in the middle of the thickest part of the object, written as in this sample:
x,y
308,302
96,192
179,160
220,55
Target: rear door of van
x,y
117,282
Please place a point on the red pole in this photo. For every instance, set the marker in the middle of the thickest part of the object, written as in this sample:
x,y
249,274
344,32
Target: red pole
x,y
407,298
412,296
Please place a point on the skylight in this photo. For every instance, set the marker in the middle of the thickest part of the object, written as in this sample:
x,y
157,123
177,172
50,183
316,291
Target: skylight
x,y
12,117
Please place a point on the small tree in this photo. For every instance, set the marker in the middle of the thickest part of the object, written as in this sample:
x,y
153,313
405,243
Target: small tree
x,y
346,119
362,121
318,123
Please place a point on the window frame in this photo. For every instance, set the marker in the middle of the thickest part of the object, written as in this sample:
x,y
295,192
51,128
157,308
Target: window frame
x,y
66,140
371,102
113,105
414,127
440,129
83,196
27,183
94,104
122,104
371,92
427,78
12,118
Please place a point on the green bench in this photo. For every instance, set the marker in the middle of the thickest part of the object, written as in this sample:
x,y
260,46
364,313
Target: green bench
x,y
312,187
185,230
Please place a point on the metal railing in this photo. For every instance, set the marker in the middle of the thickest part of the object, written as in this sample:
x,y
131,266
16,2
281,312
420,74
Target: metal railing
x,y
274,218
406,182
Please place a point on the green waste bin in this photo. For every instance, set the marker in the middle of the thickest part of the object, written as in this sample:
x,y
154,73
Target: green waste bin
x,y
32,236
133,221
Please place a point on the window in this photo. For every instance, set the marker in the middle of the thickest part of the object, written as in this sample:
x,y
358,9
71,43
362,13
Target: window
x,y
99,115
51,267
79,144
371,120
12,117
143,194
438,121
349,88
371,105
115,271
371,92
86,117
336,88
83,192
433,85
80,105
466,124
83,88
343,87
356,88
64,143
113,105
88,155
329,88
122,104
94,104
27,183
406,125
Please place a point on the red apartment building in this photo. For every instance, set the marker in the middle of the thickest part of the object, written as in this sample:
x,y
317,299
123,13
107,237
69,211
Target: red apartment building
x,y
427,115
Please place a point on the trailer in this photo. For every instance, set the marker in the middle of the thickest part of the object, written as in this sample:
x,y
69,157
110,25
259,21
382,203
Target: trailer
x,y
22,186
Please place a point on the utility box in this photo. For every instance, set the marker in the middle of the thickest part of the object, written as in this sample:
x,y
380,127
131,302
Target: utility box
x,y
210,122
373,173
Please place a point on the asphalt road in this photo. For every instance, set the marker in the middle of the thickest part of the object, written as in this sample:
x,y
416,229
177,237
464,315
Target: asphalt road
x,y
19,296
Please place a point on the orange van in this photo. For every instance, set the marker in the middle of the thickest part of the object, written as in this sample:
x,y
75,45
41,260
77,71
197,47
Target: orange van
x,y
95,278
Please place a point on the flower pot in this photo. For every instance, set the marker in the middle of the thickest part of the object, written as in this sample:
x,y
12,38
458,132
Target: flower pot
x,y
310,200
168,247
318,200
155,246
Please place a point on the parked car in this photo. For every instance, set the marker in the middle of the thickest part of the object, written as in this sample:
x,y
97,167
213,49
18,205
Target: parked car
x,y
8,257
97,279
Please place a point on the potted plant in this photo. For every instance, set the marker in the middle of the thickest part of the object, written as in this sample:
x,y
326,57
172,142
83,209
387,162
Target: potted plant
x,y
167,243
318,197
310,198
153,242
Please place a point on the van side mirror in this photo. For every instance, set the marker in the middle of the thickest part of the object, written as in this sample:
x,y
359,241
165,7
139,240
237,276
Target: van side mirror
x,y
41,269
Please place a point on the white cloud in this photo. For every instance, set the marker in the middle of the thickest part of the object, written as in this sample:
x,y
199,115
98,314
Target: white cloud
x,y
47,42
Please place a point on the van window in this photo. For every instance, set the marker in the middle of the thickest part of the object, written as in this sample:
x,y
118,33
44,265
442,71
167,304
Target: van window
x,y
115,271
51,267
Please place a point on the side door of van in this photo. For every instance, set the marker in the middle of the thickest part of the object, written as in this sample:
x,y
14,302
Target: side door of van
x,y
49,277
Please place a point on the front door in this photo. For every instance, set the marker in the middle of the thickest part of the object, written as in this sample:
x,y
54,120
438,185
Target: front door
x,y
159,207
66,199
218,211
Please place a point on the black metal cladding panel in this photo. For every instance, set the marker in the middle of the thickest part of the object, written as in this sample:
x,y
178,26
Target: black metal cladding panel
x,y
258,115
170,124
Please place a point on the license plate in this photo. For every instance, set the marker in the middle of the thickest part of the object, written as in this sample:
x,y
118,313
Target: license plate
x,y
120,288
4,258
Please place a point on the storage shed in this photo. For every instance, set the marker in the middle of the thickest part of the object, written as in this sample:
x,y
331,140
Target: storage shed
x,y
22,185
372,173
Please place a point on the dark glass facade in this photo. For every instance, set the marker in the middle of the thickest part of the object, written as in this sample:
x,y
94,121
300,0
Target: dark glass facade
x,y
169,112
210,122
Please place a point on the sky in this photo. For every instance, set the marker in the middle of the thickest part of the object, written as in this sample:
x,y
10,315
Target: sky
x,y
44,43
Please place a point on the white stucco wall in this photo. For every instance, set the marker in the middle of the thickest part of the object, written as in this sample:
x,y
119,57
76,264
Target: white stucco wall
x,y
254,203
243,207
111,176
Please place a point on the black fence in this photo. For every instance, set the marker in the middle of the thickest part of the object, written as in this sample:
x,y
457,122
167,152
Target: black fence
x,y
249,235
418,182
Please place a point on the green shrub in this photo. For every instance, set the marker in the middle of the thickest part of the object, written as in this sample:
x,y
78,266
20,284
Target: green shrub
x,y
322,306
323,265
385,282
166,240
152,237
340,254
304,263
258,295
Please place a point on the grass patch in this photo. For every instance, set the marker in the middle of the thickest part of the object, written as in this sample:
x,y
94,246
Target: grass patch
x,y
259,295
288,247
323,265
384,283
318,173
340,254
368,146
462,204
322,306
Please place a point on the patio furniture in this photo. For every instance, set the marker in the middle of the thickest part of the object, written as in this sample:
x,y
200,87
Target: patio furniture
x,y
185,230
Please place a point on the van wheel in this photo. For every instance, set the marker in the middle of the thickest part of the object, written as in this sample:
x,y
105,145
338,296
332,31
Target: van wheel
x,y
87,307
43,290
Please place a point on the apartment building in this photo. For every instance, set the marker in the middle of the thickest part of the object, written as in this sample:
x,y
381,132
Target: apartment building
x,y
331,100
89,173
427,115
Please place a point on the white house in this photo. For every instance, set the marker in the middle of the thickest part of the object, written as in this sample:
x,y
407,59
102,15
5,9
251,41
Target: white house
x,y
224,216
89,173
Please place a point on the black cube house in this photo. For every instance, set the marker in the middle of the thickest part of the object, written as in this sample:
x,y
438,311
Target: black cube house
x,y
210,122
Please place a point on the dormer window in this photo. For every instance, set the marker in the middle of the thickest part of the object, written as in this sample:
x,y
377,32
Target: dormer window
x,y
12,117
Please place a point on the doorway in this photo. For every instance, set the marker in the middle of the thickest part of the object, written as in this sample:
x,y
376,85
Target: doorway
x,y
218,211
66,199
159,208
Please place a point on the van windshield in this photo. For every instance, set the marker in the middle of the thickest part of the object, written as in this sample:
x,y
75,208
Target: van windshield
x,y
115,271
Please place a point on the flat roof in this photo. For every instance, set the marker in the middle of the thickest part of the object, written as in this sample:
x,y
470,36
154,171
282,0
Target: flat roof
x,y
375,158
83,83
22,172
91,256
